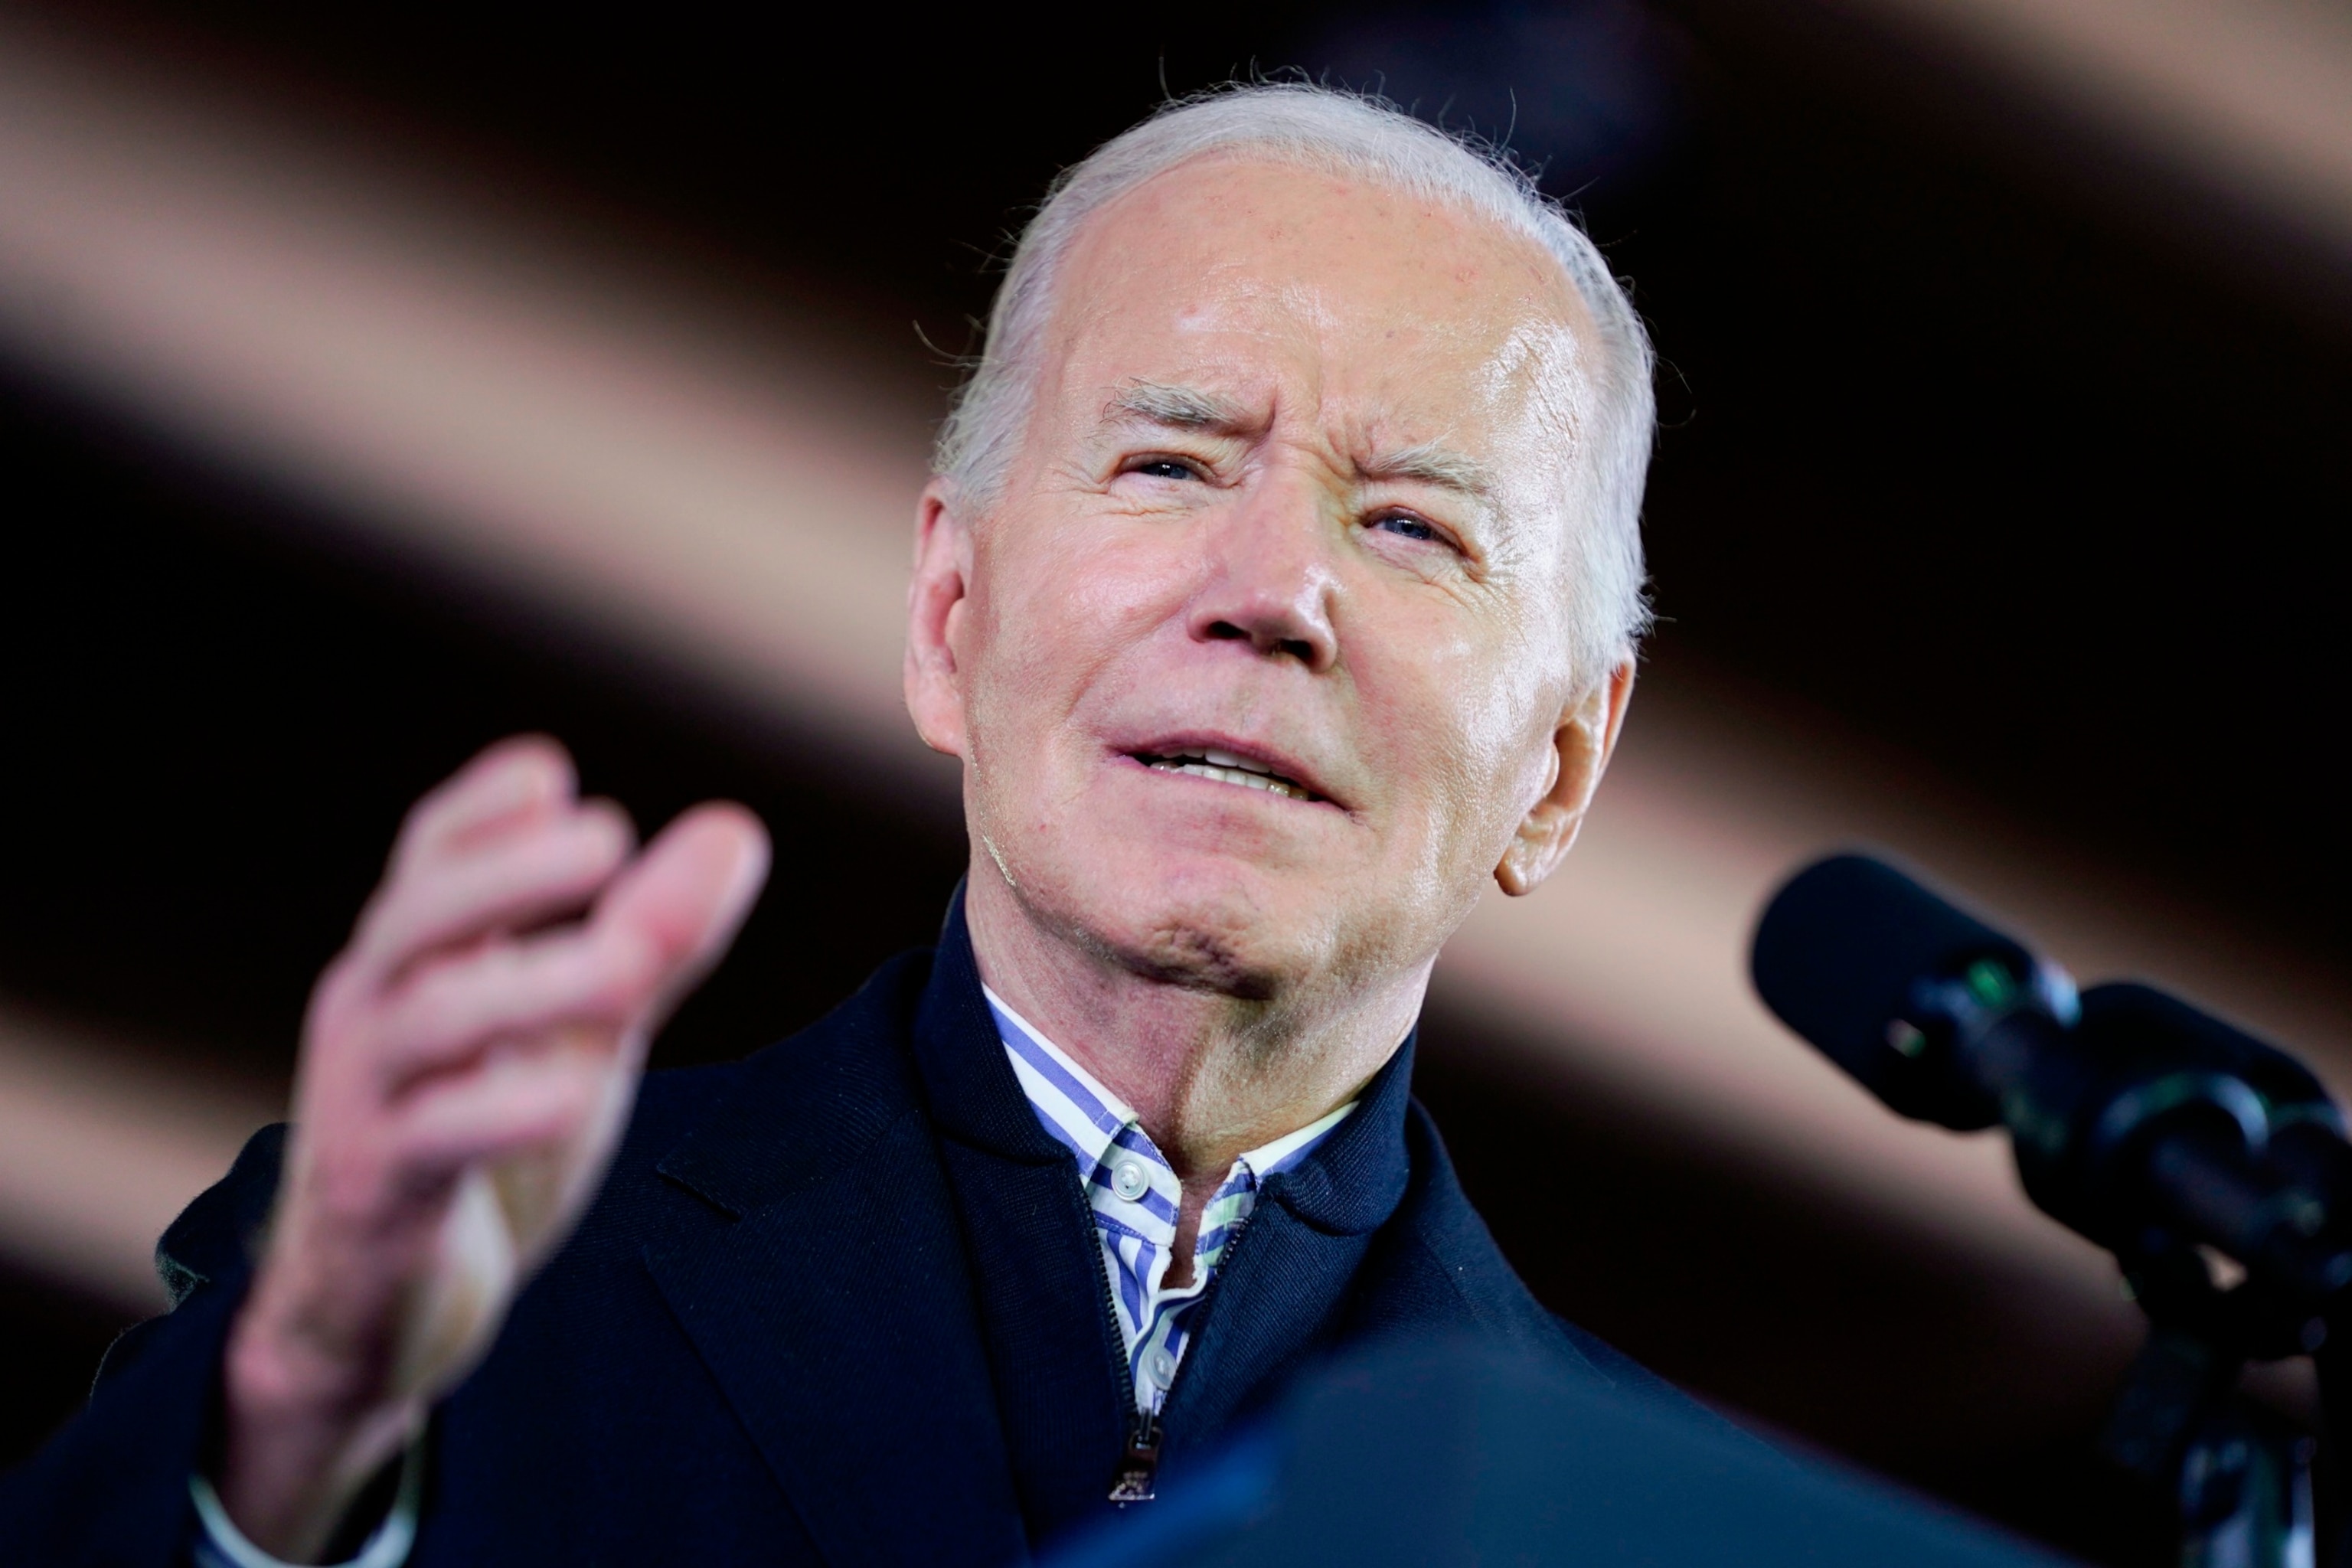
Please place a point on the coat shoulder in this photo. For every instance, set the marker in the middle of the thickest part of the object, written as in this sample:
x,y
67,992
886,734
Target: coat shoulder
x,y
1438,1268
1446,1269
805,1106
214,1236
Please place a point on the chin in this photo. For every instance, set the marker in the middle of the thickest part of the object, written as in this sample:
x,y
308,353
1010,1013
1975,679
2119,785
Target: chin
x,y
1210,927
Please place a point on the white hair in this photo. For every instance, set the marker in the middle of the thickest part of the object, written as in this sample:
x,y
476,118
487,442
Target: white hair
x,y
1327,130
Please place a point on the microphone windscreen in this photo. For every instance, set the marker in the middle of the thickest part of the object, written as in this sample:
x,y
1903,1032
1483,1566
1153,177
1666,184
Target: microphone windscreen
x,y
1839,951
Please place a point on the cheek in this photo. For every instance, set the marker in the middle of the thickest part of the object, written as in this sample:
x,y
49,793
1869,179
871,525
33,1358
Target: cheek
x,y
1056,611
1462,723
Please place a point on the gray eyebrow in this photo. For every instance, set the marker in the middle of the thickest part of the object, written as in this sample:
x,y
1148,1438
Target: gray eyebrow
x,y
1178,408
1432,464
1189,408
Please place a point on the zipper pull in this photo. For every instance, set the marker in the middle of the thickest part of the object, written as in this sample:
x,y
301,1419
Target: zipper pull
x,y
1133,1483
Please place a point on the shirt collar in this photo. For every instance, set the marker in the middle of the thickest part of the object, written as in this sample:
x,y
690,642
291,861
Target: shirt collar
x,y
1087,1117
1350,1182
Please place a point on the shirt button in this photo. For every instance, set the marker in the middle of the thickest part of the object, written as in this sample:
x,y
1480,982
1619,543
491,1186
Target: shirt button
x,y
1160,1368
1130,1180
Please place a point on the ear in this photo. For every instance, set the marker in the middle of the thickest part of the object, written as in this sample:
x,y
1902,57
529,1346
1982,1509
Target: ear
x,y
935,606
1582,745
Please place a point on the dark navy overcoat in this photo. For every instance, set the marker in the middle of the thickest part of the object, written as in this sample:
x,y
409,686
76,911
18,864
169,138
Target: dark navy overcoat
x,y
839,1302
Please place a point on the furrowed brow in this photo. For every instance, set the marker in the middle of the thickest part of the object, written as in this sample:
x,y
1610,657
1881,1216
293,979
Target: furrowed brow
x,y
1176,408
1431,464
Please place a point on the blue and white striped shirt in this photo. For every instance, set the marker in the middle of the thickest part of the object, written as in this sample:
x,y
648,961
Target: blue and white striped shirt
x,y
1134,1193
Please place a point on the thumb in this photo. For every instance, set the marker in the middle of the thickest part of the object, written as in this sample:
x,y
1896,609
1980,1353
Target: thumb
x,y
682,900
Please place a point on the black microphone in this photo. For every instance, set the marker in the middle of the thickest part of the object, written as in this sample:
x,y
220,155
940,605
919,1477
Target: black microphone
x,y
2149,1126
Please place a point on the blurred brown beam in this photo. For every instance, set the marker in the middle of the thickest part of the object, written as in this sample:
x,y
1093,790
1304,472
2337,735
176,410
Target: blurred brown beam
x,y
2224,123
101,1142
2254,94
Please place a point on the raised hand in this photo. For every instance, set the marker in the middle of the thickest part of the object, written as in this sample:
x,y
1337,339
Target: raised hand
x,y
468,1065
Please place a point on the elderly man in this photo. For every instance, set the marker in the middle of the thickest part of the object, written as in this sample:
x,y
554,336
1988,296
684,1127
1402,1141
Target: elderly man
x,y
1277,589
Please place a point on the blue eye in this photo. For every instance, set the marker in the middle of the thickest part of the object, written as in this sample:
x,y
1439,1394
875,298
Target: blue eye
x,y
1408,526
1166,469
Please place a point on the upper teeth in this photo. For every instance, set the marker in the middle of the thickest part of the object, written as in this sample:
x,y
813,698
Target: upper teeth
x,y
1226,768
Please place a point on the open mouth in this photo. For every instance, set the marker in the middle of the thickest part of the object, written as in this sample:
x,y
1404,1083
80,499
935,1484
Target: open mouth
x,y
1227,768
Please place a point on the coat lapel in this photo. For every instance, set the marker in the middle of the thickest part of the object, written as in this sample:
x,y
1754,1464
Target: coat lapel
x,y
1288,1280
830,1299
1038,1264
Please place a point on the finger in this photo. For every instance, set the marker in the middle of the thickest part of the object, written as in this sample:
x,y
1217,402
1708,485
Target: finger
x,y
514,781
553,869
685,897
455,1006
514,1101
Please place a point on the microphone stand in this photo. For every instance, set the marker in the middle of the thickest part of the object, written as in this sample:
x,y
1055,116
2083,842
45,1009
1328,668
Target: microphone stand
x,y
2237,1475
2197,1155
2214,1167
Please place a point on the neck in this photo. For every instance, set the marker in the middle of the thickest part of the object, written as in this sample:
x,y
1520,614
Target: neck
x,y
1211,1075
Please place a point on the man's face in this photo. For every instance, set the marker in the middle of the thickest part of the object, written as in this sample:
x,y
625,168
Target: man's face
x,y
1262,649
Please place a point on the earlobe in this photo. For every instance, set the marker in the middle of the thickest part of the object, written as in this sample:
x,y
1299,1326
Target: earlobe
x,y
1581,745
935,607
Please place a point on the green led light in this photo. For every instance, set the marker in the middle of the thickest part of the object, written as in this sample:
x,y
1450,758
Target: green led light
x,y
1990,983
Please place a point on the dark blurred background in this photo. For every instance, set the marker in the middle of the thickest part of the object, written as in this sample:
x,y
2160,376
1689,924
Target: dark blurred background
x,y
1991,434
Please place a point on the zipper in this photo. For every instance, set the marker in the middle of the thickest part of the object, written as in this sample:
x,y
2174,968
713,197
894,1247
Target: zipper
x,y
1139,1464
1139,1460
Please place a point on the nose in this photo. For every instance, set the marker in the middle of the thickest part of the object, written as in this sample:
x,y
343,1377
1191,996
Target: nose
x,y
1270,582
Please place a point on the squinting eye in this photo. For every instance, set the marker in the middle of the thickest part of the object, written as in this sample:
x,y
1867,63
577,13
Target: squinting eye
x,y
1166,469
1408,526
